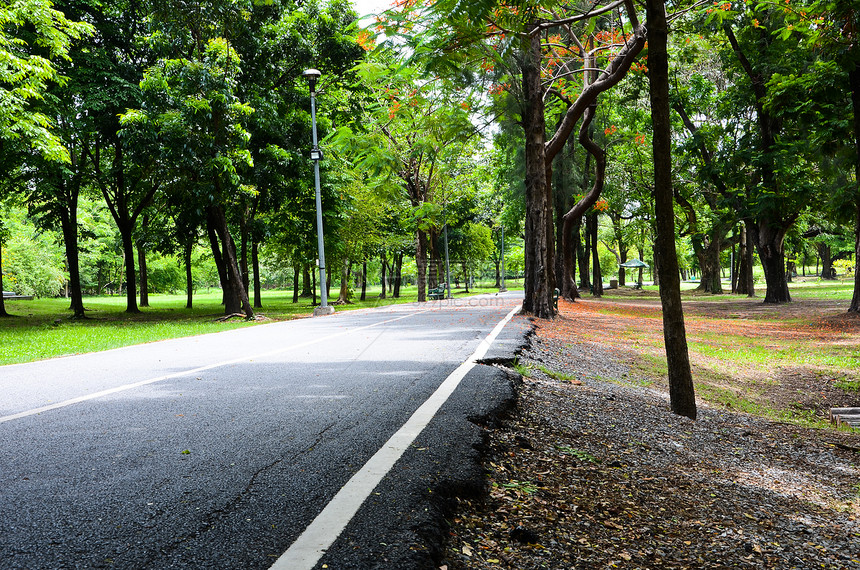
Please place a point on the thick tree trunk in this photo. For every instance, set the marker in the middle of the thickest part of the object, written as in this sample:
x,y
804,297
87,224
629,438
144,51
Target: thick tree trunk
x,y
708,255
681,392
296,274
538,245
854,80
770,245
826,255
128,259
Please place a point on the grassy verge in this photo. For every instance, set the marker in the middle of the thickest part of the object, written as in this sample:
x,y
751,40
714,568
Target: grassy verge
x,y
41,328
789,363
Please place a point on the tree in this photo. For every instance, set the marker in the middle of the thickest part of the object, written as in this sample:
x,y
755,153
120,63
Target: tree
x,y
681,392
193,109
412,129
33,37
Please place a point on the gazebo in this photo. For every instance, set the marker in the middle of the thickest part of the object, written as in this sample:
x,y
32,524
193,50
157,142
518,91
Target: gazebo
x,y
634,264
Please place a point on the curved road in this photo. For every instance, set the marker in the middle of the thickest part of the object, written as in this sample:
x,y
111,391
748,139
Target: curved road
x,y
219,451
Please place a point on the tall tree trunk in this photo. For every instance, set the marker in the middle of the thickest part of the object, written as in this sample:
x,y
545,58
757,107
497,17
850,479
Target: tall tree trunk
x,y
681,393
296,275
597,275
854,80
238,299
573,218
382,278
582,257
567,276
308,289
538,253
128,259
141,268
243,253
3,312
69,225
218,259
398,274
314,288
364,280
255,263
141,263
746,281
189,279
343,296
432,260
421,264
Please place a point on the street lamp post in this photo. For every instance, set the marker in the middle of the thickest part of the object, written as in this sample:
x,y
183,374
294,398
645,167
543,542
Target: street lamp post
x,y
313,75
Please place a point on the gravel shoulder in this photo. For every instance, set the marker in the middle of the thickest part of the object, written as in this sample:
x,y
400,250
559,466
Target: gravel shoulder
x,y
594,471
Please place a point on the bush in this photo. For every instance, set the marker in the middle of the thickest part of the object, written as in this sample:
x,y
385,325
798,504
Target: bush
x,y
33,263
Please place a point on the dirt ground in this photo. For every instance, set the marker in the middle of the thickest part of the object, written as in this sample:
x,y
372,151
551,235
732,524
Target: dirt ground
x,y
592,470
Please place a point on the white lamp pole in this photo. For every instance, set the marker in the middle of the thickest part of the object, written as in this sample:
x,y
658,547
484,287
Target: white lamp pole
x,y
313,75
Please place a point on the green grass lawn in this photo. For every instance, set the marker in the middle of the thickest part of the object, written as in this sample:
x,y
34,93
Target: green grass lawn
x,y
42,328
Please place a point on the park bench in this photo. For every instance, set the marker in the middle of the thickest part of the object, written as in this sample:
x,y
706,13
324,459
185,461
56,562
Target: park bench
x,y
845,416
10,296
437,293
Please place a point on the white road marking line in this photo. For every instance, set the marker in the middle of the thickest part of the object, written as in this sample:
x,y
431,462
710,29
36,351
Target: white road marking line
x,y
125,387
307,550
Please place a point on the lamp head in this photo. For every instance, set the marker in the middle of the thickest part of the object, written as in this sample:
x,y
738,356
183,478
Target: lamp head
x,y
312,75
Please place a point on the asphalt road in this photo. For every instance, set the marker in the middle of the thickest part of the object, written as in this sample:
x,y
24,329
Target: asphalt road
x,y
219,451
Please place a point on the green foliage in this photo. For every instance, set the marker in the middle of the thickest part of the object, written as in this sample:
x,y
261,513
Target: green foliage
x,y
32,260
33,36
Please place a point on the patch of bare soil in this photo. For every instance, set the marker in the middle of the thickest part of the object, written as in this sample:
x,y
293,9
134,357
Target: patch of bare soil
x,y
603,475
